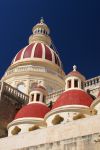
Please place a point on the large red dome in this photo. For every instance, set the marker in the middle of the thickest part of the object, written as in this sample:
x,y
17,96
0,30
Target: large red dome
x,y
37,110
37,50
73,97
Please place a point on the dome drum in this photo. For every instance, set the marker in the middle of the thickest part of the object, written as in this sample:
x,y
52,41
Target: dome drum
x,y
67,113
40,38
24,124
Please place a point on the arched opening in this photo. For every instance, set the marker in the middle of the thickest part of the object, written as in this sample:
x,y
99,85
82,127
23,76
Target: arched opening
x,y
69,84
37,97
32,97
76,83
21,87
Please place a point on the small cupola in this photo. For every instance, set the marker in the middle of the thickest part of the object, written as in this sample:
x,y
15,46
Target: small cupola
x,y
41,28
40,33
74,80
38,94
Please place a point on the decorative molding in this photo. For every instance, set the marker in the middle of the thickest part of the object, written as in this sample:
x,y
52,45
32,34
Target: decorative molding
x,y
32,68
76,108
24,121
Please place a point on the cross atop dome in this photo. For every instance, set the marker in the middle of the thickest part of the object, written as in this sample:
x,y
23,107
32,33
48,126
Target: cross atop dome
x,y
74,68
42,20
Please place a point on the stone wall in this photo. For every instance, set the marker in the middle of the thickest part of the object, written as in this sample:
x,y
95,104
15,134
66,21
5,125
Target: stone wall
x,y
82,134
80,143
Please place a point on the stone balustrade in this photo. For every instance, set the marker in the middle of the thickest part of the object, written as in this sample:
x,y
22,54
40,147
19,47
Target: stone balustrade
x,y
93,81
8,89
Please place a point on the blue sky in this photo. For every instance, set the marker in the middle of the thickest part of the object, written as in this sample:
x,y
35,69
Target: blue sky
x,y
75,30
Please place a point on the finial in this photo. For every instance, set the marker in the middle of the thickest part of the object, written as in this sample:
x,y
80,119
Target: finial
x,y
74,68
41,20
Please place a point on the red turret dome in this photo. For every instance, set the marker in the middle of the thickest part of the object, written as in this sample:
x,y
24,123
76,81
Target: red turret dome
x,y
76,74
38,51
37,110
73,97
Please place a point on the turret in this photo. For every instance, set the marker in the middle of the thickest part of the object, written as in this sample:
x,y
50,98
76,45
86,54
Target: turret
x,y
74,103
74,80
38,94
30,116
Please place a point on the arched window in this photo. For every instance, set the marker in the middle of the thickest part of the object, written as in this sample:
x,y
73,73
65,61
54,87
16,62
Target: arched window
x,y
21,87
82,85
76,83
32,97
38,97
44,31
69,83
97,80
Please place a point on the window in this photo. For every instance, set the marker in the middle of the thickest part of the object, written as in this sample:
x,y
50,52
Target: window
x,y
75,83
38,30
21,87
38,97
69,83
44,31
82,85
88,83
94,81
32,97
97,80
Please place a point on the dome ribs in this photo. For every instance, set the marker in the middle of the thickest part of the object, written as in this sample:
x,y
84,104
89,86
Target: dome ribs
x,y
18,57
38,51
48,54
28,51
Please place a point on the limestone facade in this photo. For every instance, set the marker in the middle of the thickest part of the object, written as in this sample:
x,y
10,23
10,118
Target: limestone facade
x,y
76,135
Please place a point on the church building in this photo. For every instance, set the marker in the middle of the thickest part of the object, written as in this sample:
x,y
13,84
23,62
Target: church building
x,y
44,108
